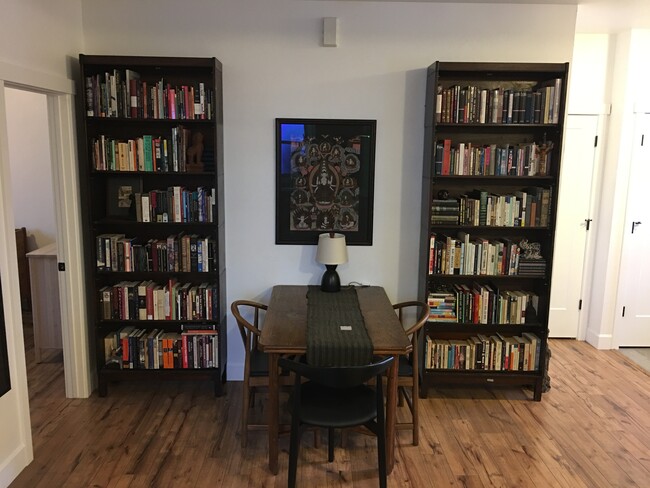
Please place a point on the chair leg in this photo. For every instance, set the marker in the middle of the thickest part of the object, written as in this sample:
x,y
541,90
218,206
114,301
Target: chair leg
x,y
381,455
294,445
244,414
330,444
251,402
400,397
415,412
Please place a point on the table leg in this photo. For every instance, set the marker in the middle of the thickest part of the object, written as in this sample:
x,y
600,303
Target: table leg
x,y
274,413
391,414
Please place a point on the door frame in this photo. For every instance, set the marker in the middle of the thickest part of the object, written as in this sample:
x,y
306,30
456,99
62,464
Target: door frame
x,y
79,381
594,211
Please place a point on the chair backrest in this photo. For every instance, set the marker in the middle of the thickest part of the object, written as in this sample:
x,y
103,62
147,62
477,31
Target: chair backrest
x,y
335,376
249,332
422,315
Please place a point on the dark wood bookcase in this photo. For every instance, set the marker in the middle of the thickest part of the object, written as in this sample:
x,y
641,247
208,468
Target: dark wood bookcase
x,y
151,177
489,204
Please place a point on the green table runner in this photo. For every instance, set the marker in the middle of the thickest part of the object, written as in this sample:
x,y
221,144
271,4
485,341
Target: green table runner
x,y
328,344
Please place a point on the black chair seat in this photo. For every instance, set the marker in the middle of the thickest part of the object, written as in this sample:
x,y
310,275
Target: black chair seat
x,y
337,397
333,407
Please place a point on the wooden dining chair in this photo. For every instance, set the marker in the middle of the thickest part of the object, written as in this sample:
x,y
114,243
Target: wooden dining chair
x,y
256,362
409,373
336,398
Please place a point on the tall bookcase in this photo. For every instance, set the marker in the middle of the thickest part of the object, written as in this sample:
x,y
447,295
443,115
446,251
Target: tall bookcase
x,y
493,140
151,156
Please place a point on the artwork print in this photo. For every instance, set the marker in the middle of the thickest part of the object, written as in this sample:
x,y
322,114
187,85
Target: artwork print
x,y
324,179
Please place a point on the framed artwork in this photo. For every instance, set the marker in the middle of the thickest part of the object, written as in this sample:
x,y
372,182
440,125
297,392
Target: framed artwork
x,y
121,197
324,179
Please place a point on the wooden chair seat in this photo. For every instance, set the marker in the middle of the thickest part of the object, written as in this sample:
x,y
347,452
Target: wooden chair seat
x,y
259,363
405,368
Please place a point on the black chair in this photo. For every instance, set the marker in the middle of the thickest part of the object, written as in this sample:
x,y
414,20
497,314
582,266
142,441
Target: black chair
x,y
336,398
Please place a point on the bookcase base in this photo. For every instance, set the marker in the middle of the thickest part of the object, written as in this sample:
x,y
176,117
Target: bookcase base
x,y
217,375
488,379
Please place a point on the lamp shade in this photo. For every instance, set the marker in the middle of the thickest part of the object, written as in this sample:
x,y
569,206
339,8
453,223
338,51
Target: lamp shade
x,y
331,249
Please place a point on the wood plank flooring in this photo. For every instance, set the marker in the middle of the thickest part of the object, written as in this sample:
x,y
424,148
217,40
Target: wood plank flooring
x,y
592,429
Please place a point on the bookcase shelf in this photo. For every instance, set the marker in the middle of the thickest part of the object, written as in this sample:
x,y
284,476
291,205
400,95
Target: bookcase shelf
x,y
151,167
493,141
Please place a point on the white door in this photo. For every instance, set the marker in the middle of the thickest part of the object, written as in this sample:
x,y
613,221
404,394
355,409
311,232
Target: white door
x,y
578,163
632,327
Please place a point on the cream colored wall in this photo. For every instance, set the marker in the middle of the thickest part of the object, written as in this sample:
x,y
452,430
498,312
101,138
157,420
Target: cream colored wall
x,y
274,66
44,35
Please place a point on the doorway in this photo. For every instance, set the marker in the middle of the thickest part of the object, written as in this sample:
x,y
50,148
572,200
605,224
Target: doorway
x,y
33,209
574,226
79,380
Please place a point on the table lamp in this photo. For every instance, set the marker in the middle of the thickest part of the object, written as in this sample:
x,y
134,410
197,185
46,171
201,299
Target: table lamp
x,y
331,252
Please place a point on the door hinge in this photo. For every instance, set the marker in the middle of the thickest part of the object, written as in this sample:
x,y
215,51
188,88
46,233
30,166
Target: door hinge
x,y
588,221
642,138
623,315
580,304
61,266
596,141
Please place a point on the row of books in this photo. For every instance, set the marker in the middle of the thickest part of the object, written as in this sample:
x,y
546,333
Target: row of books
x,y
464,255
175,204
482,304
122,93
149,300
501,105
528,207
480,352
465,158
176,253
134,348
147,153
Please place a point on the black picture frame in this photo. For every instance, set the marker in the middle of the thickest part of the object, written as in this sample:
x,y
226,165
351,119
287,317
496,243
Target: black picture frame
x,y
325,173
120,194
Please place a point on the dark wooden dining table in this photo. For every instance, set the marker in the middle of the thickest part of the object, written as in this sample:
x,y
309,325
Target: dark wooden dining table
x,y
285,332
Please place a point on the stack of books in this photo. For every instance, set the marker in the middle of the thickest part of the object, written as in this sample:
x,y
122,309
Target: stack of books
x,y
442,305
532,267
445,212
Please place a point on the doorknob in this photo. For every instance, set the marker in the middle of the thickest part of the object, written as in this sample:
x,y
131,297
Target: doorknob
x,y
634,224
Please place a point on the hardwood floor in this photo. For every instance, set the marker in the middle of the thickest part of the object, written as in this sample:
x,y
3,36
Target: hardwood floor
x,y
592,429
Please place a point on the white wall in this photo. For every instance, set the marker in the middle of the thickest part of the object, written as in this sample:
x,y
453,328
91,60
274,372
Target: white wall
x,y
43,35
590,82
31,167
274,66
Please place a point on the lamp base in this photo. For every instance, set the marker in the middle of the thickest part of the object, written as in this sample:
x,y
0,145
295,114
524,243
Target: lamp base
x,y
331,281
